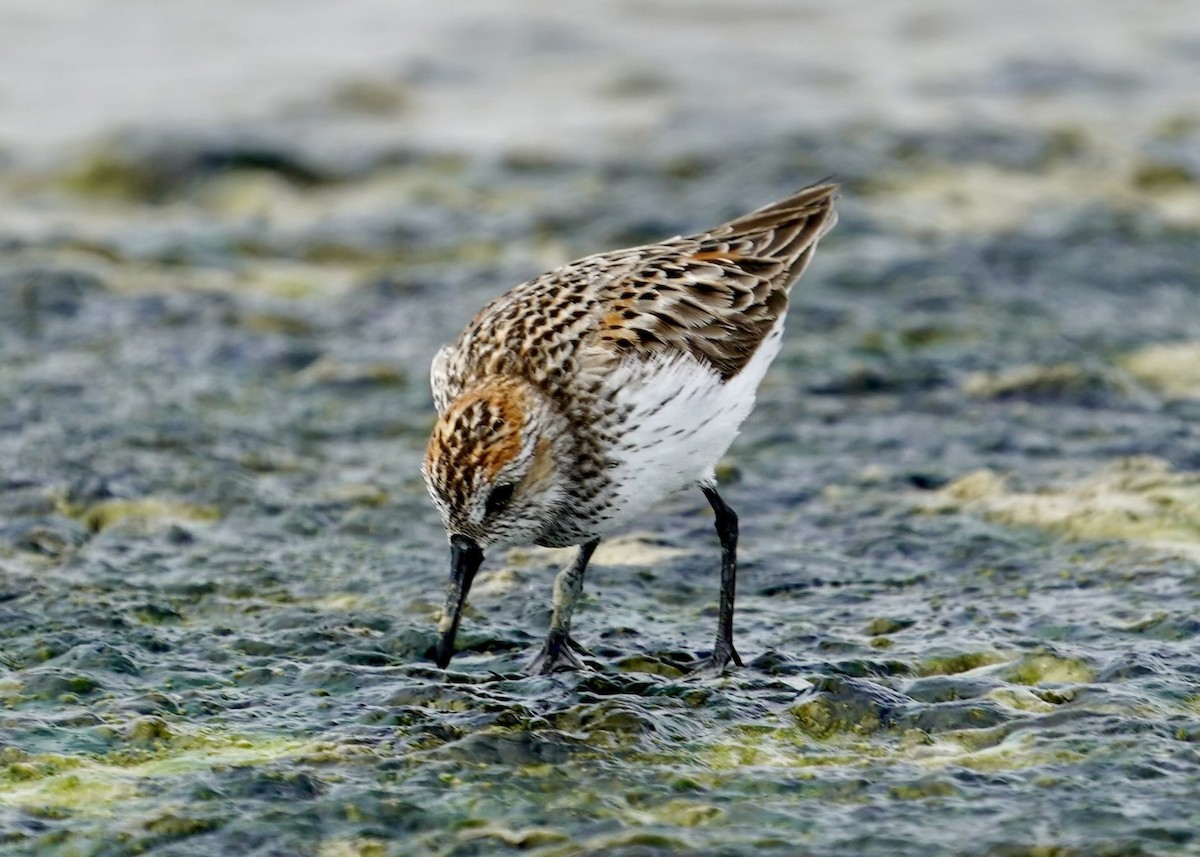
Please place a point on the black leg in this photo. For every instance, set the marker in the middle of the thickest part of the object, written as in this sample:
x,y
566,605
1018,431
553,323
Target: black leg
x,y
727,531
556,653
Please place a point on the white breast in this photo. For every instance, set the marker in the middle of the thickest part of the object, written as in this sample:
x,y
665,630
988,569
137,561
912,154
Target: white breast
x,y
682,419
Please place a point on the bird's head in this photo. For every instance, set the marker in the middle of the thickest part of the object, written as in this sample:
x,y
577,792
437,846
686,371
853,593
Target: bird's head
x,y
492,469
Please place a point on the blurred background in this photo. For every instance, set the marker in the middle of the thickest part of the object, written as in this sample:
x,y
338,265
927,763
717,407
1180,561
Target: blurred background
x,y
480,76
234,232
239,111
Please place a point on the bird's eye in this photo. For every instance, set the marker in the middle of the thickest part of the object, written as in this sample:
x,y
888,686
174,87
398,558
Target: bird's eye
x,y
499,498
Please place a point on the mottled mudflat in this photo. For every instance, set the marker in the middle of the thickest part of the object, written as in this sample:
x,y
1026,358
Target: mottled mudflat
x,y
970,494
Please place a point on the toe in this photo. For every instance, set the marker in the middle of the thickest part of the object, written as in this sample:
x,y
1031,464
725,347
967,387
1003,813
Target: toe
x,y
556,656
718,662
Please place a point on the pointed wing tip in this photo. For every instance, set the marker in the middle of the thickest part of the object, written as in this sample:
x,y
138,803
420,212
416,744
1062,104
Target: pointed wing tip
x,y
825,190
813,202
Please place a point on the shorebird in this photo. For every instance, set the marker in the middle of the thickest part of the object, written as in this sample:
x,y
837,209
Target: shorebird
x,y
577,401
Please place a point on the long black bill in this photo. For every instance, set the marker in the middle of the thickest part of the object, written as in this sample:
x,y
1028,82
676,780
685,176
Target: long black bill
x,y
465,559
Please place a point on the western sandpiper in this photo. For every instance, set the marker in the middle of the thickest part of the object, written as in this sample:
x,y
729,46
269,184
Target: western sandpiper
x,y
576,402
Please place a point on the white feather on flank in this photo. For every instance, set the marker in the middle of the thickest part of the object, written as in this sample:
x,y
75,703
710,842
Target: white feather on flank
x,y
683,419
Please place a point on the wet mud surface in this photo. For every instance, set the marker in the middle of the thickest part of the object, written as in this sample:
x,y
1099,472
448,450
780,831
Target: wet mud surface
x,y
969,501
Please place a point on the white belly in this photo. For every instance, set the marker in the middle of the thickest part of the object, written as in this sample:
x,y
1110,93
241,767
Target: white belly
x,y
682,420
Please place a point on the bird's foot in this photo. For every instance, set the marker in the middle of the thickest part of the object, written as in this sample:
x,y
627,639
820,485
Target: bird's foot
x,y
557,655
715,664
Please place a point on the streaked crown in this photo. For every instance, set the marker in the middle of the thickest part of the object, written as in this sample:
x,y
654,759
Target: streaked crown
x,y
490,466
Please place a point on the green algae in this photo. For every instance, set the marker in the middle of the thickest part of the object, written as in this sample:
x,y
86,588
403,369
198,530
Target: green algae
x,y
1173,368
326,371
926,788
359,846
108,174
781,748
853,745
650,665
145,513
1157,176
959,663
1016,752
524,838
102,784
821,718
176,824
1138,499
1044,668
1067,382
149,729
1020,700
883,625
979,196
370,97
48,686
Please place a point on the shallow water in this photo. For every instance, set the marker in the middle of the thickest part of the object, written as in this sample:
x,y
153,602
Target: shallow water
x,y
969,499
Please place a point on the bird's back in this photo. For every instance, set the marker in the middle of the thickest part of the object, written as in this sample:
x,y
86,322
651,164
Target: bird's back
x,y
715,296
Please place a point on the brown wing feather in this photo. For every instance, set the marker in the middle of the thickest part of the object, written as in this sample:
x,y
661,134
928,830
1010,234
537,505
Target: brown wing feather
x,y
714,295
718,294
